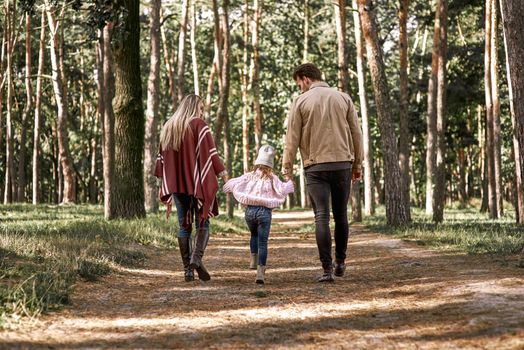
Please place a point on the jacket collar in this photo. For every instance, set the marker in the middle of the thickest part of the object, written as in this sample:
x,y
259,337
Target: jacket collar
x,y
318,84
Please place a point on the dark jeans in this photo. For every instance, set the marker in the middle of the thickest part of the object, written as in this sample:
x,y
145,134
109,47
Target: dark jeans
x,y
322,185
184,203
258,220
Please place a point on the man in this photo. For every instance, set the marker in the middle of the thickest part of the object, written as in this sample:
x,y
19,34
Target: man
x,y
323,123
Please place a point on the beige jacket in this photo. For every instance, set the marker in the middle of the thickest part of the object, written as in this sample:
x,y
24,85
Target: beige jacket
x,y
323,122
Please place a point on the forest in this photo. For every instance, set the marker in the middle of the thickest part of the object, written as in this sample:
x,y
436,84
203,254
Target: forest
x,y
86,87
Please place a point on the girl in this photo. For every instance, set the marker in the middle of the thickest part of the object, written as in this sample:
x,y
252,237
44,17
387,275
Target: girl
x,y
188,164
261,191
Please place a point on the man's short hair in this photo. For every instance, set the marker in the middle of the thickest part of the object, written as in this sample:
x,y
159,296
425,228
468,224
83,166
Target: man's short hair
x,y
307,70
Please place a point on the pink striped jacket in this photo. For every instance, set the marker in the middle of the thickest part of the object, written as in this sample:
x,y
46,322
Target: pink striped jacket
x,y
252,189
192,170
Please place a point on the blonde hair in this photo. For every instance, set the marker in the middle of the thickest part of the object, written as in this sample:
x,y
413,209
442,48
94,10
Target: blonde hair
x,y
175,128
267,172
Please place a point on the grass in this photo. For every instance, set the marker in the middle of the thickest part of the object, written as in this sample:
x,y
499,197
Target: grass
x,y
463,229
45,249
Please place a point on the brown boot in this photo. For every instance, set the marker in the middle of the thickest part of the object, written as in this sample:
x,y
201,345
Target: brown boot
x,y
261,274
184,244
201,239
254,261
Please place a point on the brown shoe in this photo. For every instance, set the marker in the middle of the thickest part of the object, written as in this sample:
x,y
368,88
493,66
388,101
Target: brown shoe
x,y
340,268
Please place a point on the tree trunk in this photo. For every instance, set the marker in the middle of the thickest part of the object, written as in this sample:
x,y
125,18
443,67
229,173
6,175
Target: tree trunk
x,y
9,176
369,200
490,146
513,22
194,59
217,44
405,133
305,53
343,85
440,165
244,87
22,153
37,191
431,140
182,51
396,211
224,97
2,76
153,90
255,69
68,195
128,196
518,185
340,23
356,202
210,87
461,160
497,158
168,62
108,124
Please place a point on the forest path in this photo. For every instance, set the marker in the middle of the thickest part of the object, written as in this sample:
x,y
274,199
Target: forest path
x,y
395,295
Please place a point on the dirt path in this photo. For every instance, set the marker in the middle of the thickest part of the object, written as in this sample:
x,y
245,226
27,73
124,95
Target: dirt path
x,y
396,295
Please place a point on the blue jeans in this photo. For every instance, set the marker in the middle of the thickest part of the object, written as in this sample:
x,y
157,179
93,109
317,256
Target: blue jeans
x,y
186,206
324,186
258,220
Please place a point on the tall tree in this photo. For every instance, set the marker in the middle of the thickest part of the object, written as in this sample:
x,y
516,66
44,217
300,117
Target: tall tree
x,y
224,97
22,153
490,122
153,91
440,164
168,61
182,51
340,24
494,61
369,200
244,76
396,211
405,134
38,113
255,71
194,58
108,122
128,193
343,85
66,162
513,22
10,19
431,138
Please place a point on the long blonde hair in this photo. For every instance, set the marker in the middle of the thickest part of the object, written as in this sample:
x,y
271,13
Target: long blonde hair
x,y
267,172
175,128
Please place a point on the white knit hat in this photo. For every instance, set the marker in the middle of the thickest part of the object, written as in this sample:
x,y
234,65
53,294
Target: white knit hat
x,y
266,155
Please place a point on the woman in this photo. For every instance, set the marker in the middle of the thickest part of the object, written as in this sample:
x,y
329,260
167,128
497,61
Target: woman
x,y
189,165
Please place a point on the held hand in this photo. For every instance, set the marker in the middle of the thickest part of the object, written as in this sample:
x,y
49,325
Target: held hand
x,y
356,176
225,178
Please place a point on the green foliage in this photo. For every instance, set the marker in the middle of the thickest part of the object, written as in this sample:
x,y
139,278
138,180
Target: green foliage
x,y
463,229
44,249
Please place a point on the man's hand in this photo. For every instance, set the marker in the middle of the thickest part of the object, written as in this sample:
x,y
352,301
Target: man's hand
x,y
356,176
225,178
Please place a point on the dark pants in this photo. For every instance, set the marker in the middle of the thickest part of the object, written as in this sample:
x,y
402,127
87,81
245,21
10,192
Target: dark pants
x,y
258,219
321,186
185,203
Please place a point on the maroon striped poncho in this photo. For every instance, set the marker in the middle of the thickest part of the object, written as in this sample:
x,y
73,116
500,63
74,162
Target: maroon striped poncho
x,y
192,170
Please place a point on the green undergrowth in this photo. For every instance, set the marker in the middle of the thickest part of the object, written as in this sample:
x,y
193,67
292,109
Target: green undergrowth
x,y
45,249
465,230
